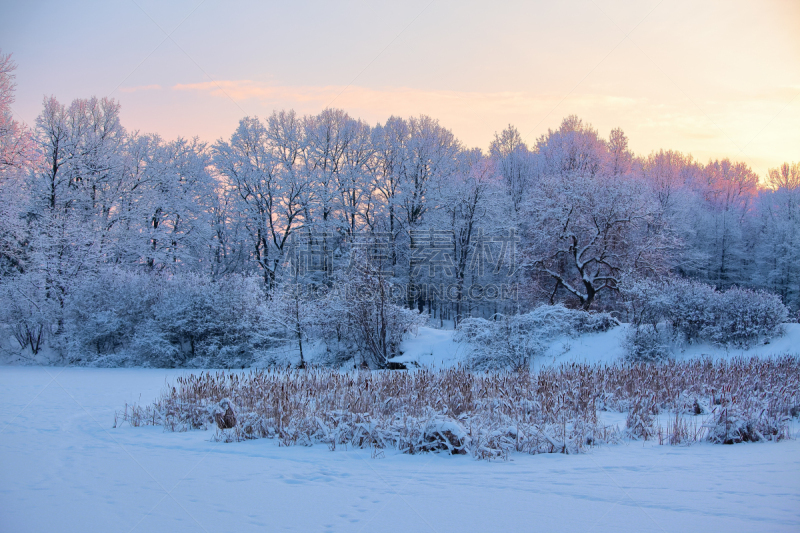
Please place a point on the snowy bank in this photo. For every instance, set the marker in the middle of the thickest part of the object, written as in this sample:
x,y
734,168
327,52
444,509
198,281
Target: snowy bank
x,y
436,348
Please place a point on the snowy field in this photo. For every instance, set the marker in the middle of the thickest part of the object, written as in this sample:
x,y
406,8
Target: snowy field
x,y
63,467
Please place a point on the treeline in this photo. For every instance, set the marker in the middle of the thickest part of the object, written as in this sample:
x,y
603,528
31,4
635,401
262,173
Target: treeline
x,y
403,208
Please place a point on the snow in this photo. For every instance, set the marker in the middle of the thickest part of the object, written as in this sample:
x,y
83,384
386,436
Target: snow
x,y
432,348
436,348
63,467
603,347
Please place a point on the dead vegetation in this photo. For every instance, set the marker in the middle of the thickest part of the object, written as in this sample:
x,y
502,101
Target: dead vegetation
x,y
487,415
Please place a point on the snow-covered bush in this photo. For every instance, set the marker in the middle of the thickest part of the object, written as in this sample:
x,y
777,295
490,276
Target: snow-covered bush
x,y
690,307
647,301
732,424
123,318
679,310
206,323
513,341
359,315
501,343
647,343
743,317
103,314
25,310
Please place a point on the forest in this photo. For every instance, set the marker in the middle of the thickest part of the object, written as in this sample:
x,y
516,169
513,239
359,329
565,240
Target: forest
x,y
119,247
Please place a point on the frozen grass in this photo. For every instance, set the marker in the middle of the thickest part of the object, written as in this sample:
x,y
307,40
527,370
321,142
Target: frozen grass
x,y
488,415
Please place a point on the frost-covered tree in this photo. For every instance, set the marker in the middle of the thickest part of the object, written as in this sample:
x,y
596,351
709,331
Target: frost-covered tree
x,y
74,191
15,155
470,210
175,206
589,224
728,190
122,246
263,164
337,153
15,142
777,235
388,142
514,163
430,156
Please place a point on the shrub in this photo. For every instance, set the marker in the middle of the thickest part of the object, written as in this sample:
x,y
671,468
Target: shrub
x,y
502,343
689,309
209,323
124,318
26,312
647,302
647,343
514,341
743,317
360,316
102,316
640,423
678,310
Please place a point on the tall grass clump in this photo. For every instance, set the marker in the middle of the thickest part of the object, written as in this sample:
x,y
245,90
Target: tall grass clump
x,y
487,415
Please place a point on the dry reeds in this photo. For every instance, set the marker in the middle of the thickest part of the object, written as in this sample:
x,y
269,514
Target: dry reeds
x,y
487,415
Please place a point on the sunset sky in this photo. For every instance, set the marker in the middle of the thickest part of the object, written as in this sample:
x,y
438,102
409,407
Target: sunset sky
x,y
715,79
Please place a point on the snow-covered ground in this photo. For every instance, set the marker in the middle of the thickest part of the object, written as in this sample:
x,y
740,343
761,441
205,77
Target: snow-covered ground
x,y
63,467
436,348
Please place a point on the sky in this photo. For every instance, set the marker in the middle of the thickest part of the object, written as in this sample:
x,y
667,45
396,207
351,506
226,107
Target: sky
x,y
711,78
